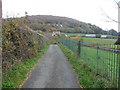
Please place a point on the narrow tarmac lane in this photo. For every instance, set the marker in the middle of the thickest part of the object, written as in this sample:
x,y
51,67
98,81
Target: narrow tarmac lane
x,y
54,71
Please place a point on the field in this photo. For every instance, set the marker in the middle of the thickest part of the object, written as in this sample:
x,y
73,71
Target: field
x,y
73,34
103,63
86,71
91,40
87,79
98,41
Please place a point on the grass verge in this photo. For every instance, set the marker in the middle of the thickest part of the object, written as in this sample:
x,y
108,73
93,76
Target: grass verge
x,y
18,73
87,77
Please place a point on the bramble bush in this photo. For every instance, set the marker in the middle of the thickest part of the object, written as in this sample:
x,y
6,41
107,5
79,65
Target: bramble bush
x,y
19,42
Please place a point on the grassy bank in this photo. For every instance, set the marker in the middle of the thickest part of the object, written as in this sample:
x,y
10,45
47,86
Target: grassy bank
x,y
18,73
87,77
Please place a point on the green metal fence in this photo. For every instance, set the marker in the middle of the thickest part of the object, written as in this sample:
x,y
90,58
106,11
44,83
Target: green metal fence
x,y
71,44
104,60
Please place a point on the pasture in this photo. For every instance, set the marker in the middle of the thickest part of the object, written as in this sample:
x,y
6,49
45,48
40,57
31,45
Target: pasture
x,y
104,63
88,40
73,34
98,41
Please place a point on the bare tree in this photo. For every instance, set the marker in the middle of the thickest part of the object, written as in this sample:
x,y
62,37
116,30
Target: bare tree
x,y
118,40
113,20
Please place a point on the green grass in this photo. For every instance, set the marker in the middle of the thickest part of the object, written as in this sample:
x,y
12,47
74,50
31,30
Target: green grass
x,y
92,40
102,62
98,41
18,73
87,76
74,34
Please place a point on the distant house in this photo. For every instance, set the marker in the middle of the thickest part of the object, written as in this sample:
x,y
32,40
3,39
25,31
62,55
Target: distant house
x,y
56,33
90,35
66,35
103,36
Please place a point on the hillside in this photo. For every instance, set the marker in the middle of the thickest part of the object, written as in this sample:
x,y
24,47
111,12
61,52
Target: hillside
x,y
63,24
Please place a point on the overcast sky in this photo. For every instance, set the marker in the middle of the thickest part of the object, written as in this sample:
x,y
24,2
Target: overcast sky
x,y
88,11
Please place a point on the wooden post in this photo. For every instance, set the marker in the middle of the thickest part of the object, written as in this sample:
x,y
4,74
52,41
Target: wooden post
x,y
0,44
79,48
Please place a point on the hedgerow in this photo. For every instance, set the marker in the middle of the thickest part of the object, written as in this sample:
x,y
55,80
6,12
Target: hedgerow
x,y
19,42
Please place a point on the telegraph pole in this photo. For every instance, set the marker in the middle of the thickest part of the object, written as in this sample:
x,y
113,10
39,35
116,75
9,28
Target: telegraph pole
x,y
0,44
118,40
0,9
119,17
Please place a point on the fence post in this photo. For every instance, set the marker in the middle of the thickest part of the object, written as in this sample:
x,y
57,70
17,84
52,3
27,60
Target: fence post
x,y
118,58
97,58
79,45
119,39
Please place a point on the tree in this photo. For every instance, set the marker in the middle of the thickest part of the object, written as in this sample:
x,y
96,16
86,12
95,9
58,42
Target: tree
x,y
46,27
118,40
112,32
113,20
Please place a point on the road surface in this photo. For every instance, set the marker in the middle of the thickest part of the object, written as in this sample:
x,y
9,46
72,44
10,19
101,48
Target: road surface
x,y
54,71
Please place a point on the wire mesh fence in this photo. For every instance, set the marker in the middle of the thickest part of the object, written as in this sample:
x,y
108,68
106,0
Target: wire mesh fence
x,y
104,60
71,44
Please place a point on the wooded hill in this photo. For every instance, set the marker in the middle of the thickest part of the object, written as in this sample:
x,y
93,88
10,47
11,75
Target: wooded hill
x,y
63,24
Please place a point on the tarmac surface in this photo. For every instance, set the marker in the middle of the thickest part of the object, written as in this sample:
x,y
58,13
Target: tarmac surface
x,y
53,71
